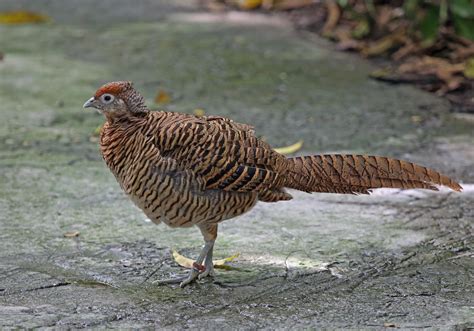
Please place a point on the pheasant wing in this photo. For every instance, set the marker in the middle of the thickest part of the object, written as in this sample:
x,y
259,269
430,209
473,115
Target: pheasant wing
x,y
226,154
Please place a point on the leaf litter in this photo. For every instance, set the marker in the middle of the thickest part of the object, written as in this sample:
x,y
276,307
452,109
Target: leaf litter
x,y
219,264
427,43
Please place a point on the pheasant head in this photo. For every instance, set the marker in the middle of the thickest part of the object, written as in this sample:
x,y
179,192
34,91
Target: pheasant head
x,y
117,98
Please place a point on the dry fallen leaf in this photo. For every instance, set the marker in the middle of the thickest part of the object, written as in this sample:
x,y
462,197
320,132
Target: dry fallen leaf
x,y
384,16
462,52
469,70
408,49
389,74
444,70
22,17
290,149
182,260
384,44
388,28
222,262
71,234
430,65
162,97
188,263
249,4
340,33
389,325
286,4
334,14
199,112
416,119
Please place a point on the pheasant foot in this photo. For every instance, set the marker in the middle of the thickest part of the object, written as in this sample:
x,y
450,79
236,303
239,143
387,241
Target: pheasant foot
x,y
198,269
209,265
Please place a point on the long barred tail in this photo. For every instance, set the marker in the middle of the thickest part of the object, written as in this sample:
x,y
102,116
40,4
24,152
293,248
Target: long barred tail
x,y
336,173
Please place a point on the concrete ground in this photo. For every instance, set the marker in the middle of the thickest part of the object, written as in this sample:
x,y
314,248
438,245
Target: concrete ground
x,y
392,259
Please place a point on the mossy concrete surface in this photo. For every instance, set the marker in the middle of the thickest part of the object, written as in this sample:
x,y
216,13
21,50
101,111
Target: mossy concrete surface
x,y
393,258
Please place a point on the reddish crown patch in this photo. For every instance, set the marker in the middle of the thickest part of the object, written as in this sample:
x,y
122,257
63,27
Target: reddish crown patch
x,y
114,88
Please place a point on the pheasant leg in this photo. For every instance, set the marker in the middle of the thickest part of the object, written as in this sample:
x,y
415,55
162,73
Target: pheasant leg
x,y
209,271
195,271
209,232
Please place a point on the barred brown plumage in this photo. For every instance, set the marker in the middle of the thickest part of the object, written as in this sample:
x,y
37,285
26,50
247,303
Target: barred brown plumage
x,y
184,170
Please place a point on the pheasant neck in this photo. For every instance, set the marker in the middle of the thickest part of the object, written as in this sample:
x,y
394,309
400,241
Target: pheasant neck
x,y
123,116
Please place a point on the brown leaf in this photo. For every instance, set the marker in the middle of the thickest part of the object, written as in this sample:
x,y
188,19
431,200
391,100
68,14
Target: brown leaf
x,y
460,52
429,64
162,97
451,83
469,69
408,49
188,263
384,15
341,33
416,119
334,14
289,4
22,17
290,149
199,112
385,44
222,262
215,6
249,4
71,234
182,260
445,71
393,76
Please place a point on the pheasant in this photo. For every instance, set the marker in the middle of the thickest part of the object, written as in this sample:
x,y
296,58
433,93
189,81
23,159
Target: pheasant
x,y
184,170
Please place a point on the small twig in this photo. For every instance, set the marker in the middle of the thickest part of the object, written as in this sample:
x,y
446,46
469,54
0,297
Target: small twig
x,y
5,291
154,271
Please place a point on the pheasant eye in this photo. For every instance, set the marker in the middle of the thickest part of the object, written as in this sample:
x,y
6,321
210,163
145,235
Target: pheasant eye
x,y
107,98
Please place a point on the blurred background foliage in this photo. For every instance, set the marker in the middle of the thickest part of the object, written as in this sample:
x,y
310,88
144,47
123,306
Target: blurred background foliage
x,y
430,16
427,17
429,43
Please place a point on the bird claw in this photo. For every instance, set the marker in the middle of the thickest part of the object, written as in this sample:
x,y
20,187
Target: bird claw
x,y
175,280
198,270
182,281
209,272
193,275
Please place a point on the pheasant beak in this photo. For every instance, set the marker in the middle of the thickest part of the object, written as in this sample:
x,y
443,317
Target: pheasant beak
x,y
91,103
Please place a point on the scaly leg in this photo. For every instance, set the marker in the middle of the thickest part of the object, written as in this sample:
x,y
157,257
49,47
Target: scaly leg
x,y
209,264
197,266
209,233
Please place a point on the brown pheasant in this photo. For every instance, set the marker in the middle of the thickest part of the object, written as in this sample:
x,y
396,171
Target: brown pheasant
x,y
185,170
